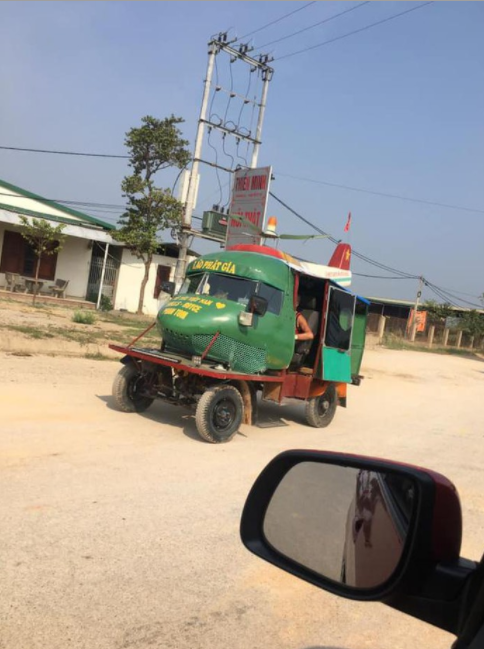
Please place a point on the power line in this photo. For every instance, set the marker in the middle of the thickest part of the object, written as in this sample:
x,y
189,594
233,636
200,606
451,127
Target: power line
x,y
436,292
450,296
384,194
75,153
357,254
302,218
451,290
40,199
383,276
373,262
278,20
320,22
355,31
439,291
303,179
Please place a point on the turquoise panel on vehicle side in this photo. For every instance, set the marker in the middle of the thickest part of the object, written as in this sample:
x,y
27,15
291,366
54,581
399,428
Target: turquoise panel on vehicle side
x,y
358,341
336,365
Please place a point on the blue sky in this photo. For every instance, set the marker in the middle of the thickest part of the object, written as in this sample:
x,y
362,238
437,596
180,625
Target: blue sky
x,y
396,109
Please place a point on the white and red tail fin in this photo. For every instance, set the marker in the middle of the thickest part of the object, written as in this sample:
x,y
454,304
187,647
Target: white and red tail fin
x,y
341,257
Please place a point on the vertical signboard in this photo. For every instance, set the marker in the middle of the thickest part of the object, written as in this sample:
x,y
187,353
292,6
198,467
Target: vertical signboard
x,y
421,319
249,199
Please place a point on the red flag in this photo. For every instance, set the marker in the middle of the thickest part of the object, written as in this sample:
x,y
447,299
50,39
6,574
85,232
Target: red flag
x,y
348,222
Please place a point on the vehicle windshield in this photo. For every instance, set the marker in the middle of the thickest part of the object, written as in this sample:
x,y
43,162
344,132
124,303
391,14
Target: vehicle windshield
x,y
190,285
237,289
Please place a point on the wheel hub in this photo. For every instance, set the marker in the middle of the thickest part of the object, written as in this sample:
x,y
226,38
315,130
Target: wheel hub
x,y
223,414
136,388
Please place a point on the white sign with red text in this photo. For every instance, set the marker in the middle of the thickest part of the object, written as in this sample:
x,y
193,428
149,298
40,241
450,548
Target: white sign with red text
x,y
249,199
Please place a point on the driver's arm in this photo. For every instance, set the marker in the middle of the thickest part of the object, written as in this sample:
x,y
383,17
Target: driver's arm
x,y
305,332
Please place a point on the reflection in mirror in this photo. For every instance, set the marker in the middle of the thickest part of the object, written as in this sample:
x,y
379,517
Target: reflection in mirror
x,y
349,525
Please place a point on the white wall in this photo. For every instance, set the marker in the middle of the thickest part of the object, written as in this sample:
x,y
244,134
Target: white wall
x,y
130,276
73,263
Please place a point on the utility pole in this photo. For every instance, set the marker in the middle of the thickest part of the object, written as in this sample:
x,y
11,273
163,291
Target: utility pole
x,y
413,330
187,214
266,77
215,47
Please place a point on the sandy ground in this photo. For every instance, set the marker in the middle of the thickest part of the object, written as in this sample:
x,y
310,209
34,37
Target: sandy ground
x,y
121,531
49,329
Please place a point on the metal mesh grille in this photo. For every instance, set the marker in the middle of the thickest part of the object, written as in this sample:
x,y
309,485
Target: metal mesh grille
x,y
241,357
178,342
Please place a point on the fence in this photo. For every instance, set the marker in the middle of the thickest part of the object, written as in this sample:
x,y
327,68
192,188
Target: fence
x,y
434,335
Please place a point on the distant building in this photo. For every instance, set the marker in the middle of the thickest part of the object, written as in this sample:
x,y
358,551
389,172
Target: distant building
x,y
399,315
88,249
390,307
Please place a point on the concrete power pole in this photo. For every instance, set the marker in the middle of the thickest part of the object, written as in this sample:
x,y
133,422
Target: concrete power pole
x,y
266,77
216,46
189,206
413,330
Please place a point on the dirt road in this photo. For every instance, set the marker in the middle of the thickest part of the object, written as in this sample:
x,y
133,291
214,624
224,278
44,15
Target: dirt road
x,y
121,531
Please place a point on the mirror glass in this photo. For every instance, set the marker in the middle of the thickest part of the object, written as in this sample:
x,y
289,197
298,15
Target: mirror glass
x,y
349,525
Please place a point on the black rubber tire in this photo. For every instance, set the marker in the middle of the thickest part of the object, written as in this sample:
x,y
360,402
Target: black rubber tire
x,y
320,410
219,414
125,386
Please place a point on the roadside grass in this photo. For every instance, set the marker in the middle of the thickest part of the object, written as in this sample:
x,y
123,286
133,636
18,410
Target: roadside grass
x,y
126,320
83,337
31,332
99,357
81,326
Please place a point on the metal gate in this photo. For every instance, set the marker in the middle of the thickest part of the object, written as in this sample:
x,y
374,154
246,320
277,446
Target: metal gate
x,y
109,281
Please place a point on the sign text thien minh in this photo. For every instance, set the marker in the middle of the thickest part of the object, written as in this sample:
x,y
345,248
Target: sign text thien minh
x,y
249,199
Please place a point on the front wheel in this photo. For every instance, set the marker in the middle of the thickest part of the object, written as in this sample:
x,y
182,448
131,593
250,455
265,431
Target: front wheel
x,y
321,410
128,390
219,414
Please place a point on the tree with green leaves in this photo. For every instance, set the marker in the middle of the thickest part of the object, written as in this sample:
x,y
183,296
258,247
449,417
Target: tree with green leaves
x,y
153,147
45,239
437,313
472,323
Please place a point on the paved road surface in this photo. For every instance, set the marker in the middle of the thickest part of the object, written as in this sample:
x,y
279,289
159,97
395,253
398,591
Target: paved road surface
x,y
121,531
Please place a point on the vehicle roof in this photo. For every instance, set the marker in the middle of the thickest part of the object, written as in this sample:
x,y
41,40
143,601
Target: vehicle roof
x,y
251,260
341,276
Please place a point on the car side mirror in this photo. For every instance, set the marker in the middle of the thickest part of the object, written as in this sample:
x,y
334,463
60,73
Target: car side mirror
x,y
258,305
168,287
355,526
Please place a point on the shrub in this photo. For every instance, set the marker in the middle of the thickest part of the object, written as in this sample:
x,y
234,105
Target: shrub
x,y
84,317
105,304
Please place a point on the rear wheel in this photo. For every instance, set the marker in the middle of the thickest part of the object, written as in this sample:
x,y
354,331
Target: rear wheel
x,y
219,414
128,390
321,410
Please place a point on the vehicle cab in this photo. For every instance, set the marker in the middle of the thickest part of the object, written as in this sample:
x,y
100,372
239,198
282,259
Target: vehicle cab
x,y
257,336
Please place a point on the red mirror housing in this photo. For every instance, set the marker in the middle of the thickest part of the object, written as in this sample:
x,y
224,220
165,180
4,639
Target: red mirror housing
x,y
430,566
